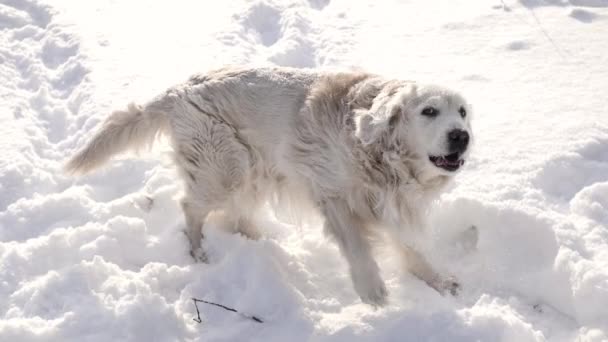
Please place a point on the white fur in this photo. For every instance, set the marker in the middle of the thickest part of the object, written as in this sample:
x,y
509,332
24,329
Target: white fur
x,y
352,144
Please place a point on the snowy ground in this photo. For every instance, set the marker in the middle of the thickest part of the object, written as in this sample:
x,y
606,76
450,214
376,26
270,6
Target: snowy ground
x,y
102,258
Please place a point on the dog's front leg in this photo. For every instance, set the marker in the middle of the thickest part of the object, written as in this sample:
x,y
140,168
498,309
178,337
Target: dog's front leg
x,y
419,267
352,237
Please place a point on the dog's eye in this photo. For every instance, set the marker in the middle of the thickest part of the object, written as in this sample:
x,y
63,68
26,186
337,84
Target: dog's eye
x,y
430,111
462,111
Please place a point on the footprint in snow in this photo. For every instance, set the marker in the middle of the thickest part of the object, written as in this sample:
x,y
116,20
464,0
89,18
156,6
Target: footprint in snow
x,y
265,21
582,15
518,45
318,4
589,3
58,49
19,13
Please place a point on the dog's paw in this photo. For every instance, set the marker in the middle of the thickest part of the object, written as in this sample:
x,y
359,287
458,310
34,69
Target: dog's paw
x,y
199,255
375,296
447,286
452,286
371,290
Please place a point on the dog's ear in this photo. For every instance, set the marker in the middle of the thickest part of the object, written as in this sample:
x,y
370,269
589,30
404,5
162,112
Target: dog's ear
x,y
398,104
395,117
371,126
385,115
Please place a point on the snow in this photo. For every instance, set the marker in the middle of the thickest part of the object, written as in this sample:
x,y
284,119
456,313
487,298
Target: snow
x,y
102,257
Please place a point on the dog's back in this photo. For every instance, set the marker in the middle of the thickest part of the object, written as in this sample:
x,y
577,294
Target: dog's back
x,y
260,103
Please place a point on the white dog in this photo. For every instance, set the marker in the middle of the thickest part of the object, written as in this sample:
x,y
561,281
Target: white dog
x,y
368,152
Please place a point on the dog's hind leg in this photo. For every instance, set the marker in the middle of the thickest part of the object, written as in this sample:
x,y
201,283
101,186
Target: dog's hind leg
x,y
236,223
195,218
245,204
352,238
245,226
214,164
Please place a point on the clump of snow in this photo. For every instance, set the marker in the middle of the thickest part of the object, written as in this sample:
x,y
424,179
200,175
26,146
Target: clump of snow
x,y
102,257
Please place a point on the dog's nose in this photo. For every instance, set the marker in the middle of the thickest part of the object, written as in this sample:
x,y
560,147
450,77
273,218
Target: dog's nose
x,y
458,139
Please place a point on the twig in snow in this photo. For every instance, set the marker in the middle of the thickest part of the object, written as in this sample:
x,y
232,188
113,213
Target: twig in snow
x,y
198,314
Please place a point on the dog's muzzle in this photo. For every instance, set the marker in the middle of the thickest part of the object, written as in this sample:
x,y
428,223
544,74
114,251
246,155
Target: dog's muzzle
x,y
458,141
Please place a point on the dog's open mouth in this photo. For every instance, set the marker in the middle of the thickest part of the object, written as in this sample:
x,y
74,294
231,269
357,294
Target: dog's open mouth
x,y
450,162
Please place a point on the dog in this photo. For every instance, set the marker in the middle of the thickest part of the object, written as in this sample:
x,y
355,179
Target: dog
x,y
369,153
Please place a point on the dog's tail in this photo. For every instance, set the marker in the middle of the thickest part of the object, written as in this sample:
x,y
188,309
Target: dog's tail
x,y
122,130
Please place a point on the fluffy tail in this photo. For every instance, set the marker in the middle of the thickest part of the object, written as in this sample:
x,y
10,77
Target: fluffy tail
x,y
122,130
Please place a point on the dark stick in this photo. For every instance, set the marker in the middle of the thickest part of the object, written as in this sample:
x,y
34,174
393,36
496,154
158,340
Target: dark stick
x,y
198,314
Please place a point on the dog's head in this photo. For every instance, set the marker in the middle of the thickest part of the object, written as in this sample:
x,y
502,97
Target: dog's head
x,y
438,127
432,124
